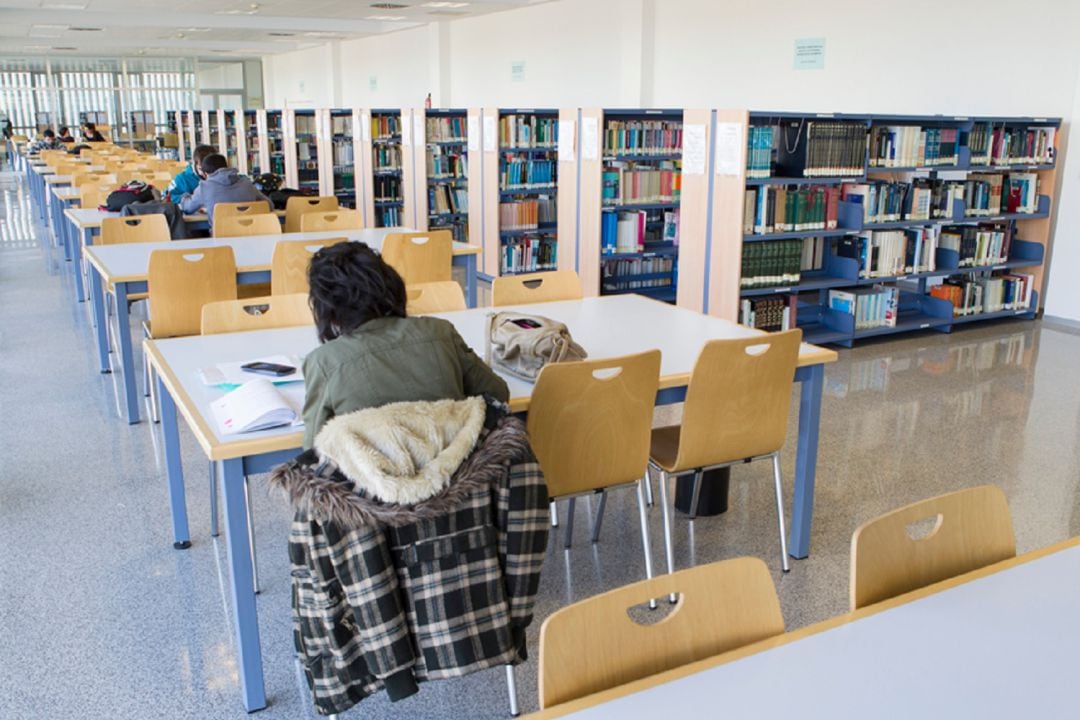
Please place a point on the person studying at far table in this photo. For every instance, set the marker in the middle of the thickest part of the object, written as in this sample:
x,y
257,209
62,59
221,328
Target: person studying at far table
x,y
222,184
186,182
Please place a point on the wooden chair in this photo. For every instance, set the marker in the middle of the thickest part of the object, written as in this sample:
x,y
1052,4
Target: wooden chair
x,y
434,297
93,195
589,425
422,257
262,313
971,529
594,645
181,282
335,220
535,288
82,177
256,207
290,262
297,205
736,411
241,226
134,229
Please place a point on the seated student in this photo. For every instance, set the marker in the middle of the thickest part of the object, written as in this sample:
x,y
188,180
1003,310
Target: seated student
x,y
186,182
371,353
48,141
221,184
65,135
91,134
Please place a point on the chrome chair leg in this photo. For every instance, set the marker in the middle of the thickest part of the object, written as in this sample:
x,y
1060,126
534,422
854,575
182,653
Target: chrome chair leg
x,y
780,512
511,690
645,544
251,535
697,494
669,550
213,499
554,507
569,522
648,490
599,516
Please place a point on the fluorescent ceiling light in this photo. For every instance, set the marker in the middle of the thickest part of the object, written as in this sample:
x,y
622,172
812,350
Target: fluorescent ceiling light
x,y
385,17
444,4
195,29
63,5
49,27
321,34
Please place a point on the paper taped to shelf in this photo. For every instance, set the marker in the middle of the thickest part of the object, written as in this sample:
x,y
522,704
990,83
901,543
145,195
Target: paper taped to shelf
x,y
566,141
406,133
693,149
729,147
419,132
590,138
491,134
232,374
474,133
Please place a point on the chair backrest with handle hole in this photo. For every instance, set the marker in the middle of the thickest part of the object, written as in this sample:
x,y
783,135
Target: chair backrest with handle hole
x,y
535,288
960,531
594,644
589,422
318,221
261,313
246,209
434,297
290,262
93,195
244,225
80,178
420,257
134,229
182,281
297,205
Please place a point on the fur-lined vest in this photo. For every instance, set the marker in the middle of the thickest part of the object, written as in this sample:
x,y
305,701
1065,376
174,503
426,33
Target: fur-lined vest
x,y
416,547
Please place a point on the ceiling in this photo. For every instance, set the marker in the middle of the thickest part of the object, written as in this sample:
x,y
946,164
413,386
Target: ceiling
x,y
211,29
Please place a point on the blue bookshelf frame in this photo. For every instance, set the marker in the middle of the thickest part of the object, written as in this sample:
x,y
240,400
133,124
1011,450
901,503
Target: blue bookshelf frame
x,y
457,222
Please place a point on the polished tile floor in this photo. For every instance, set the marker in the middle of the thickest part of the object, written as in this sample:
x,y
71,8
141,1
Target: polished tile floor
x,y
101,618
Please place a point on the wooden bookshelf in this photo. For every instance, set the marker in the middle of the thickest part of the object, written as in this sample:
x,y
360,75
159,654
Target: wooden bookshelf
x,y
253,151
230,143
275,143
385,146
443,198
304,147
344,162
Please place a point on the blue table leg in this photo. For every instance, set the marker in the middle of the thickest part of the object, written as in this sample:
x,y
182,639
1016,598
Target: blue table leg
x,y
127,362
241,582
97,297
174,469
80,291
470,279
812,380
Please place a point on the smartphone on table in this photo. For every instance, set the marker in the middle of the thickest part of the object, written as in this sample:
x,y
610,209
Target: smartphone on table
x,y
265,368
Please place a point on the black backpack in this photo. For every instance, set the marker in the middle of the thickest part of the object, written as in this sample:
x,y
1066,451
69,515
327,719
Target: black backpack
x,y
129,192
280,198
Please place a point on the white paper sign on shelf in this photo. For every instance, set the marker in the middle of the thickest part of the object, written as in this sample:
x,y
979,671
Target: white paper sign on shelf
x,y
566,141
474,133
590,138
491,134
365,127
419,131
729,145
406,133
693,149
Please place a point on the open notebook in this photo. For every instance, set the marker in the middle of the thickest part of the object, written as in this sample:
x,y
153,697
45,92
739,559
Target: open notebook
x,y
258,405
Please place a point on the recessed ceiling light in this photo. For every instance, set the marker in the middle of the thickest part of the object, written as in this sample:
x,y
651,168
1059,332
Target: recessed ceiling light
x,y
385,17
281,34
195,29
389,6
85,29
444,4
63,48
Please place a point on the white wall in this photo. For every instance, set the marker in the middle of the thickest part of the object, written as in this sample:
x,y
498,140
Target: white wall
x,y
1063,290
924,56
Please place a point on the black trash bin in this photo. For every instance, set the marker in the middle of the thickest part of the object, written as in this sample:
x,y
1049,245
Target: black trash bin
x,y
713,498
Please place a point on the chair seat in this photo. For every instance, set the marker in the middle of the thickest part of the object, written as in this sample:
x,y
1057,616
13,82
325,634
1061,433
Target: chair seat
x,y
252,290
664,447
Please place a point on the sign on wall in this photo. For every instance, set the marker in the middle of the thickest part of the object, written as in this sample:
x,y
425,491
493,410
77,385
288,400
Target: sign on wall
x,y
810,54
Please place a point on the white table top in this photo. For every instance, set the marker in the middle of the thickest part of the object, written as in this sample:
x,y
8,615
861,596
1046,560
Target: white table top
x,y
604,326
65,192
1000,646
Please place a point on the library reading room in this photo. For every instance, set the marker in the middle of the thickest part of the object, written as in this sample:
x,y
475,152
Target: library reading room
x,y
586,359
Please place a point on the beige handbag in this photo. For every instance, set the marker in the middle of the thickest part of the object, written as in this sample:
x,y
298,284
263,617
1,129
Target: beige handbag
x,y
522,344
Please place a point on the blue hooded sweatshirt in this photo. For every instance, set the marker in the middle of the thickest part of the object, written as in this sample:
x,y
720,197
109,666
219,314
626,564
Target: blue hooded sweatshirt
x,y
183,184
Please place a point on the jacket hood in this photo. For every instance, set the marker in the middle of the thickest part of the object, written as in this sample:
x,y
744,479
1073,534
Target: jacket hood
x,y
224,176
400,463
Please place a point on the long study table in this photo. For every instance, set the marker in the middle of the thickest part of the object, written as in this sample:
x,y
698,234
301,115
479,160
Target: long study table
x,y
605,327
124,268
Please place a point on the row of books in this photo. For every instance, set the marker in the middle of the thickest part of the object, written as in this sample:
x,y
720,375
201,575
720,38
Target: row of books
x,y
527,214
642,137
629,232
529,254
527,131
459,229
795,208
447,199
387,188
832,149
446,165
772,314
759,145
1012,145
994,193
978,245
772,264
341,124
526,174
913,146
388,217
445,129
973,295
628,184
920,199
343,153
620,274
889,253
384,127
305,124
306,151
873,307
386,157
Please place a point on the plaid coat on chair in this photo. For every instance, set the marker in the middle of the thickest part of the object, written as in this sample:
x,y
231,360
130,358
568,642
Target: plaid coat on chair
x,y
416,547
